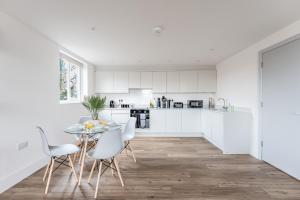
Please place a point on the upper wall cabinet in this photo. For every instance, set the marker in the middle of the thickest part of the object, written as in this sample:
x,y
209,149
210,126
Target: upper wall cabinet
x,y
120,82
134,79
172,82
111,82
207,81
188,81
104,82
159,82
146,80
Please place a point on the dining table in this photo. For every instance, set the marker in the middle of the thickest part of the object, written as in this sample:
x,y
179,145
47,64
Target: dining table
x,y
89,133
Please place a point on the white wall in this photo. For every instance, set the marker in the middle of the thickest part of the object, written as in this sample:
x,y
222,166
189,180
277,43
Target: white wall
x,y
238,78
29,89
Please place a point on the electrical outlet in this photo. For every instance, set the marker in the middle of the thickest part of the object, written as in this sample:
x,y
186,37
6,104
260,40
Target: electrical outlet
x,y
22,145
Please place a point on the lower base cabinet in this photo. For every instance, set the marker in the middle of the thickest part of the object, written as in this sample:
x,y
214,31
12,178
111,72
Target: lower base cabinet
x,y
229,131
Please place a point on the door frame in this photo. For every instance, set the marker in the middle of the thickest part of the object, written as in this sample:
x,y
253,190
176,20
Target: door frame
x,y
260,87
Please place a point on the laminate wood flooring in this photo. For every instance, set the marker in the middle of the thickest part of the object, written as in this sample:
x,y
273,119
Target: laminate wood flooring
x,y
169,168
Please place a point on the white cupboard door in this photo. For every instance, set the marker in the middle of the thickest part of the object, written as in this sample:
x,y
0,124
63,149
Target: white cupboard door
x,y
134,79
217,129
105,114
104,82
188,81
159,82
207,81
191,120
146,80
172,82
121,82
157,120
206,124
173,120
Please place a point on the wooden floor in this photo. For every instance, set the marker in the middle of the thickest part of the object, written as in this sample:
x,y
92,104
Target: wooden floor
x,y
170,168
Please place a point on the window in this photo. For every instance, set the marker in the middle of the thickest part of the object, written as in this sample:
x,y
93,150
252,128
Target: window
x,y
70,82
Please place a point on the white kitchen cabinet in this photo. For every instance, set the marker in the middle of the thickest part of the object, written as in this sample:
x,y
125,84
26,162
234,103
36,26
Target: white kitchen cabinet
x,y
120,116
159,82
120,82
146,80
191,120
229,131
104,82
188,81
173,120
105,114
207,81
172,82
135,80
157,120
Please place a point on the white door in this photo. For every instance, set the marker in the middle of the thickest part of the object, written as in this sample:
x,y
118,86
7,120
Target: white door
x,y
157,120
281,108
173,120
207,81
159,82
188,81
104,82
146,80
134,79
191,120
172,82
121,82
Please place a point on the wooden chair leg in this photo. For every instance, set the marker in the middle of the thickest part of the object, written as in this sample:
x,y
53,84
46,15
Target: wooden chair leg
x,y
80,157
111,166
72,166
119,174
47,168
98,179
91,173
49,176
131,150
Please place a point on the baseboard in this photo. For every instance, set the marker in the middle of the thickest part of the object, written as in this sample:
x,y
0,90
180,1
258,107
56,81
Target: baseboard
x,y
164,134
17,176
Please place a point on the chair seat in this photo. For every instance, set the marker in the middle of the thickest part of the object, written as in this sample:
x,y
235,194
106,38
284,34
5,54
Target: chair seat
x,y
126,137
64,149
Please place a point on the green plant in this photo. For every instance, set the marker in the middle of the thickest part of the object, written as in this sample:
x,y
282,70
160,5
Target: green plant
x,y
94,104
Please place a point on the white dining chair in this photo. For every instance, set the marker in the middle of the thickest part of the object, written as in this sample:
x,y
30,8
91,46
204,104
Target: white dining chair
x,y
106,153
128,134
60,154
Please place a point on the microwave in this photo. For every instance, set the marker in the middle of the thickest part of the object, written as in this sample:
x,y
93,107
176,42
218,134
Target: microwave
x,y
195,104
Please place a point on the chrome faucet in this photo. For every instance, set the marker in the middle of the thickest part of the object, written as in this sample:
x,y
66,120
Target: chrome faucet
x,y
224,103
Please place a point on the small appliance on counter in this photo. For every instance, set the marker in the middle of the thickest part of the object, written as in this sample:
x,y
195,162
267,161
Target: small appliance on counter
x,y
211,103
195,104
112,104
158,103
142,117
164,102
169,103
125,106
177,105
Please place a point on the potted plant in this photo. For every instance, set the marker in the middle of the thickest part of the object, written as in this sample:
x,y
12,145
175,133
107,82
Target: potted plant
x,y
94,104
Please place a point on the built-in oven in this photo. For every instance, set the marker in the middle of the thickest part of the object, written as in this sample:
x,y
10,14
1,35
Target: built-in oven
x,y
142,117
195,104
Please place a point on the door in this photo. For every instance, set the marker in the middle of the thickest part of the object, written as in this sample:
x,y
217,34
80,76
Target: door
x,y
134,79
188,81
121,82
104,82
191,120
157,120
146,80
173,120
172,82
281,107
159,82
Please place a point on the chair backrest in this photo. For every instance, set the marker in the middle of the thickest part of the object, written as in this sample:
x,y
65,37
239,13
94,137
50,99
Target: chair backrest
x,y
45,143
129,131
84,119
109,145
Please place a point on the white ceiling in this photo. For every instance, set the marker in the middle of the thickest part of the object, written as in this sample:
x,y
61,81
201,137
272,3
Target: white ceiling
x,y
196,32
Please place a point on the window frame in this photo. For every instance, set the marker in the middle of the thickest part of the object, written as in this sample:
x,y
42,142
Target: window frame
x,y
69,61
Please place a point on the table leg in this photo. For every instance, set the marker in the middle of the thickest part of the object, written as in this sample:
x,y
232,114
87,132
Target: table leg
x,y
83,158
